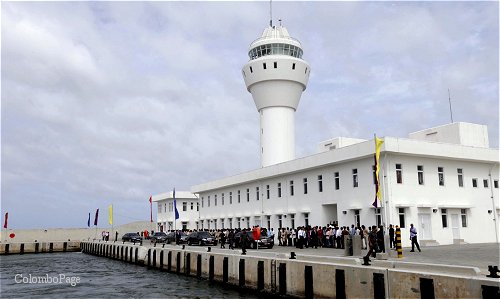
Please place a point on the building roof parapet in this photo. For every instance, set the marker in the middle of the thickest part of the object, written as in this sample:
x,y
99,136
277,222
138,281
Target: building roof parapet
x,y
358,151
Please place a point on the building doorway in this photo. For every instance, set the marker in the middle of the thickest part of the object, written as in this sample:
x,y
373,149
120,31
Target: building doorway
x,y
455,226
329,214
425,228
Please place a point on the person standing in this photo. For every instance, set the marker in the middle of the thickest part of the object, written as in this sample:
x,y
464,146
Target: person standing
x,y
372,243
413,238
243,241
392,244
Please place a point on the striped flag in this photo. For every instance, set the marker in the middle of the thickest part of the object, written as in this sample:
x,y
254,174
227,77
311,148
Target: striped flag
x,y
378,193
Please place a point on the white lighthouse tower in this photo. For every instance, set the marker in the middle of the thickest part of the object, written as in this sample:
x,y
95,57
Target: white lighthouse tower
x,y
276,76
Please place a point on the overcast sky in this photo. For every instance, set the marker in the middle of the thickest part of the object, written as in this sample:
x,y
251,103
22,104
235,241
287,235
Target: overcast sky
x,y
110,102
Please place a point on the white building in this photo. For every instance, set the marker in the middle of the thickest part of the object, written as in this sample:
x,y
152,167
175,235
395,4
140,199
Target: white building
x,y
444,180
449,191
187,206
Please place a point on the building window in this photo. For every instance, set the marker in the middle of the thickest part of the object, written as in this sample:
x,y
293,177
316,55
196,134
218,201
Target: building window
x,y
239,198
268,192
202,202
464,217
279,189
238,222
215,199
355,178
374,174
441,176
268,222
170,206
248,195
264,65
444,218
357,219
197,206
337,181
378,217
292,220
291,188
399,173
460,175
192,206
305,185
184,206
230,198
401,217
222,199
275,65
208,203
320,183
257,193
420,174
495,184
306,219
485,183
280,221
184,225
474,183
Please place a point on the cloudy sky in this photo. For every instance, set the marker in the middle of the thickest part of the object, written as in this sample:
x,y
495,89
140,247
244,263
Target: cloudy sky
x,y
110,102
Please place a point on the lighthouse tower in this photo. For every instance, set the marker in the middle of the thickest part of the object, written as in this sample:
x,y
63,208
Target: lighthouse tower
x,y
276,76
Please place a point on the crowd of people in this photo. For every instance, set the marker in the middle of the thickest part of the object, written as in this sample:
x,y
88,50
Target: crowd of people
x,y
329,236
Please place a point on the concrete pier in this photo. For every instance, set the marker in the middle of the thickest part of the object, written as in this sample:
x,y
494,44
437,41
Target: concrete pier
x,y
309,276
38,247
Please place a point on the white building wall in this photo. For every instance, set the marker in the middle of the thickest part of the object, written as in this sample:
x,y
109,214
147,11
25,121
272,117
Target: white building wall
x,y
331,204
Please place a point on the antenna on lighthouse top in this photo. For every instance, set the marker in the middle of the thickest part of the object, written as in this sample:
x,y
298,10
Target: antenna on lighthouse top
x,y
270,13
449,101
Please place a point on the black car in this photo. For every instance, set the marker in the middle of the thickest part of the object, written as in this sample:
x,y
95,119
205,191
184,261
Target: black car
x,y
159,237
131,237
171,238
201,238
264,242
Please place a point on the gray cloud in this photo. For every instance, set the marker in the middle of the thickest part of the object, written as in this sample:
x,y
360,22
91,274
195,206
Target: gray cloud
x,y
112,102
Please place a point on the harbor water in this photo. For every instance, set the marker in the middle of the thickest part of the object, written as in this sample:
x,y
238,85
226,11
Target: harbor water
x,y
81,275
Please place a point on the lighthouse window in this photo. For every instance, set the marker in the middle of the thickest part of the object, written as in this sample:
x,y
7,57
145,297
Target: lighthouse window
x,y
293,66
251,70
264,65
275,65
275,49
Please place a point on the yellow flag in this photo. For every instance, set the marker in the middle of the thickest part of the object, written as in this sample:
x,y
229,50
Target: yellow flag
x,y
111,214
378,192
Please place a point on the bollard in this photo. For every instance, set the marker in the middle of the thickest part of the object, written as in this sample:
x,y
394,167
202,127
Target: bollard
x,y
292,256
399,248
209,249
493,271
163,246
187,264
183,247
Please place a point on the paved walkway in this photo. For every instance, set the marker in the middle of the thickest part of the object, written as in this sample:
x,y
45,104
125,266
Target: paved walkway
x,y
473,255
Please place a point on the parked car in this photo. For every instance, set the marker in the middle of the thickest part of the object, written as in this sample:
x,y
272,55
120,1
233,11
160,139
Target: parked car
x,y
171,238
264,242
159,237
131,237
201,238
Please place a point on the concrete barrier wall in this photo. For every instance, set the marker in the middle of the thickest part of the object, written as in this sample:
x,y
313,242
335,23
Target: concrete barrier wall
x,y
39,247
310,278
